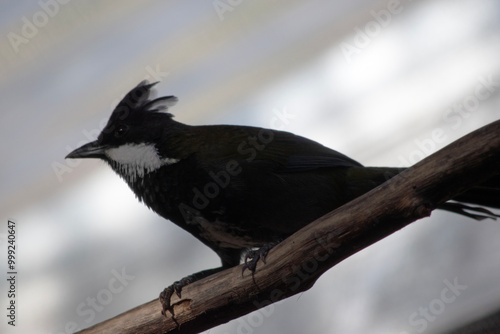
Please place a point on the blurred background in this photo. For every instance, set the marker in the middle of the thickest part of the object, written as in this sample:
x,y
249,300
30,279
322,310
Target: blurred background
x,y
385,82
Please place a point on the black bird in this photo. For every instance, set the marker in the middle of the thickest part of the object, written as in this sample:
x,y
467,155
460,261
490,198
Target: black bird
x,y
236,188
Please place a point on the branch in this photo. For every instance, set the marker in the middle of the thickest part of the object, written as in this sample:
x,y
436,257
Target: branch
x,y
295,264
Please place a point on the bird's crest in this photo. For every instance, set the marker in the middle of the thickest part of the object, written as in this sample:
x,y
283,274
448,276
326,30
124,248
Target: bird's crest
x,y
141,99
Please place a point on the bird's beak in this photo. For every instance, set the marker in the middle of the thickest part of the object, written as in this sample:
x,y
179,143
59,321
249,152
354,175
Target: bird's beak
x,y
90,150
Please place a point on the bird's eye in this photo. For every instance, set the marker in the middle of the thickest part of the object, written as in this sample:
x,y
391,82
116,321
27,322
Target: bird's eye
x,y
121,130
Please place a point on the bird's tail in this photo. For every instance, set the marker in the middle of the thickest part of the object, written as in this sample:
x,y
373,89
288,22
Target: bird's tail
x,y
485,194
470,203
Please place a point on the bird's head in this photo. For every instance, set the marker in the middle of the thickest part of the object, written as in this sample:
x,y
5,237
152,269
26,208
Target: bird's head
x,y
131,140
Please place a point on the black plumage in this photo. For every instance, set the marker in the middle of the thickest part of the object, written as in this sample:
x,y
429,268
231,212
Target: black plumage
x,y
236,187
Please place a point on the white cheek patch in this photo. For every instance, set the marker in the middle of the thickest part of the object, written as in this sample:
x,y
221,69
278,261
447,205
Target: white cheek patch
x,y
136,160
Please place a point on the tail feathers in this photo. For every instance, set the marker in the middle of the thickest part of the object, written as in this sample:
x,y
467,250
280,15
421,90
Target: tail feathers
x,y
470,203
483,195
475,212
486,194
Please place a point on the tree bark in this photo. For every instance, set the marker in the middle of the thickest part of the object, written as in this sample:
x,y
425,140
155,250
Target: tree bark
x,y
295,264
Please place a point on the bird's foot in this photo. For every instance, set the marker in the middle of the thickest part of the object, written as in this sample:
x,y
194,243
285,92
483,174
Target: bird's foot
x,y
169,291
177,286
253,256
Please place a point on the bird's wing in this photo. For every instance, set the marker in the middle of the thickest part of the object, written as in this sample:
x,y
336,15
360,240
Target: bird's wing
x,y
278,150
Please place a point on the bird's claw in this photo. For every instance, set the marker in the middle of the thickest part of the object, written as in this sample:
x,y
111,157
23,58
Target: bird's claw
x,y
165,296
252,257
169,291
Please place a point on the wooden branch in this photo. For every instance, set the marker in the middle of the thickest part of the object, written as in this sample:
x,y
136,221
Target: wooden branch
x,y
295,264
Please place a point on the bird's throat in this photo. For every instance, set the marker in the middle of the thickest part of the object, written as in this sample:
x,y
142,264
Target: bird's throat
x,y
134,161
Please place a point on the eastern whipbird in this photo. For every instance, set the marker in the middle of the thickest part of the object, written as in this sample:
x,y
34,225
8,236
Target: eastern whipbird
x,y
237,188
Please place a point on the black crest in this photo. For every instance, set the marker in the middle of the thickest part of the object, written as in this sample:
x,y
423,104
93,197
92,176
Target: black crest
x,y
141,99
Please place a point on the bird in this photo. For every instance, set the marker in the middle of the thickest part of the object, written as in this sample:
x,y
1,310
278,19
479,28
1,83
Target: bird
x,y
239,190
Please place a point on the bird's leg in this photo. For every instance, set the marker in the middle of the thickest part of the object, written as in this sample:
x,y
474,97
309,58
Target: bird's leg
x,y
253,256
177,286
